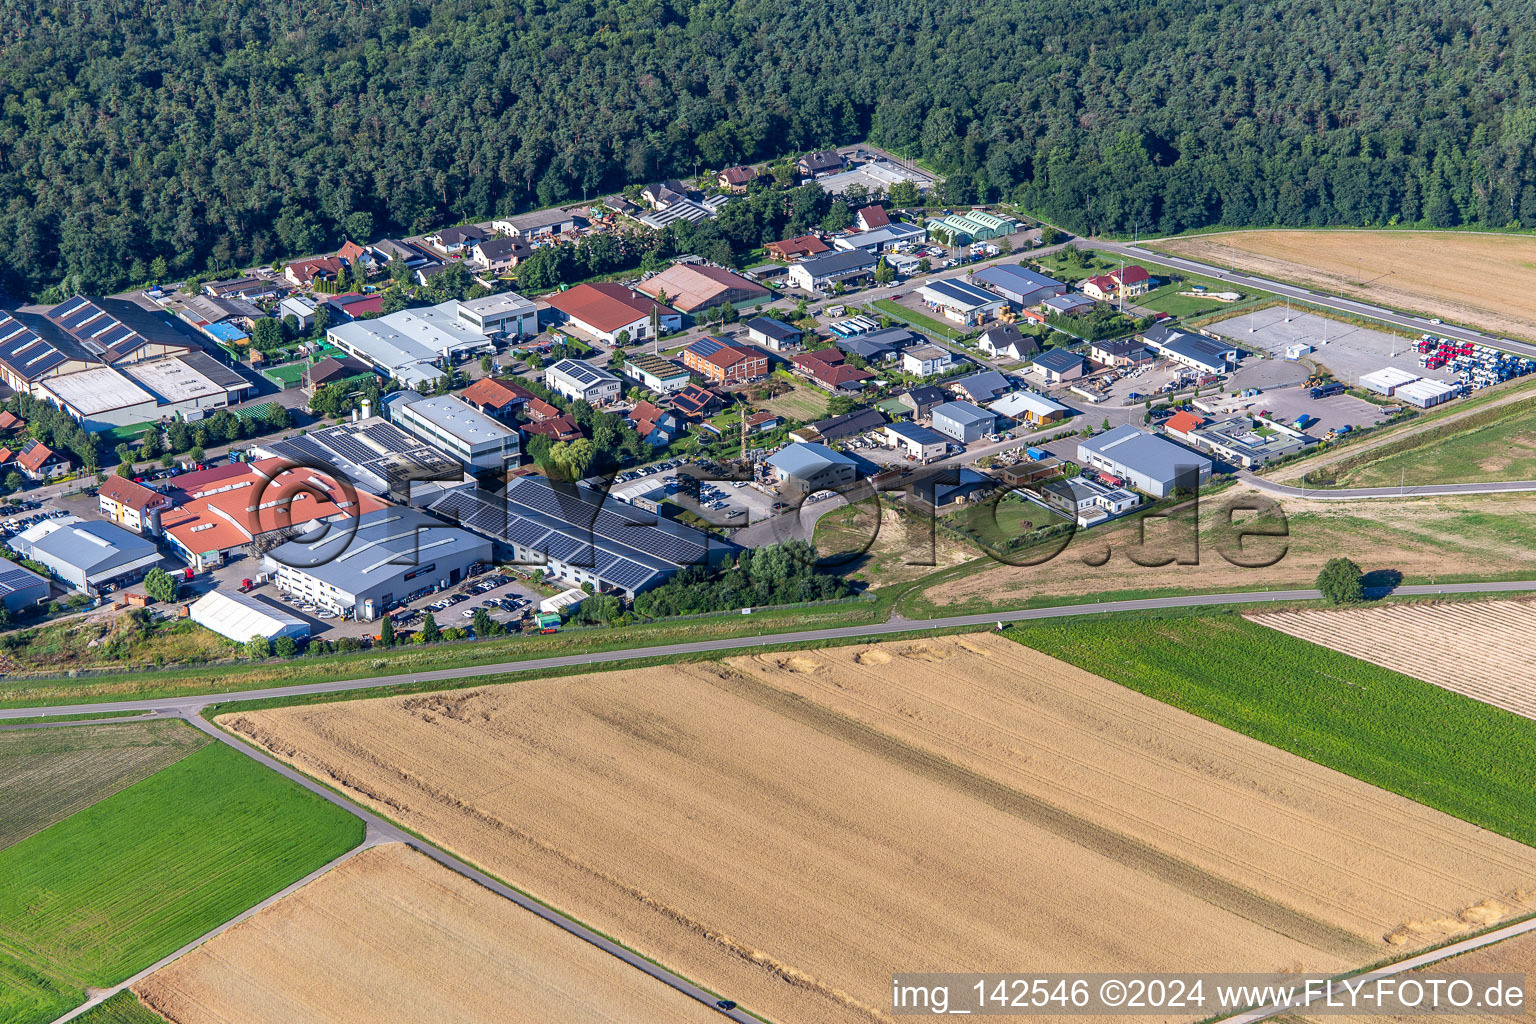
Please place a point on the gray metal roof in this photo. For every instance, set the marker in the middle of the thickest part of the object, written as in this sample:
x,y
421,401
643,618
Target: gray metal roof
x,y
964,413
1014,278
1142,452
837,262
387,544
985,386
92,548
919,434
1059,359
771,328
807,459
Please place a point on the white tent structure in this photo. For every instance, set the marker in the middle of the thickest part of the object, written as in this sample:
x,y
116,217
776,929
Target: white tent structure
x,y
242,618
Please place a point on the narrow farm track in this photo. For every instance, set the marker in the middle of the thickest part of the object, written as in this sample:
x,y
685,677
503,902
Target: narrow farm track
x,y
1480,651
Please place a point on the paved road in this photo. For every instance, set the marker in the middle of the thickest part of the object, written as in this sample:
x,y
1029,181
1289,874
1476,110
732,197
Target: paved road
x,y
1419,324
1415,491
1402,966
193,704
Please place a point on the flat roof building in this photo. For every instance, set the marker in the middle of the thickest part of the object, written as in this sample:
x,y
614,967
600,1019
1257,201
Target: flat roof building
x,y
1145,461
579,536
1386,380
412,346
392,554
660,375
963,421
1240,442
88,556
507,314
377,456
458,428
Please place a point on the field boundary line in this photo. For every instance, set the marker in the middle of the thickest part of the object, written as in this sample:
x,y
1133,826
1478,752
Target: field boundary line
x,y
370,839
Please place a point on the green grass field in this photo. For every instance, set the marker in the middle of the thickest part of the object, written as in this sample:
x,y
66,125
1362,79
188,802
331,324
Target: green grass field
x,y
123,1008
928,324
49,774
803,403
1441,749
113,888
1497,445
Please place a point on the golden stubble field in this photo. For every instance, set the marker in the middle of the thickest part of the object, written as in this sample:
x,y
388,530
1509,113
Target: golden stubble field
x,y
1480,649
1482,279
1512,956
789,829
390,935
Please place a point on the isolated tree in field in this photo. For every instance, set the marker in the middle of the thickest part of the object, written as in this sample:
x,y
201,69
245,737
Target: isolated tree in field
x,y
160,585
387,633
430,634
1341,581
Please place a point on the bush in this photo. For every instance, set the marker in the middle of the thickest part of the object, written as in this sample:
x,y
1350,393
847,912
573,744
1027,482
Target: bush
x,y
285,647
1341,582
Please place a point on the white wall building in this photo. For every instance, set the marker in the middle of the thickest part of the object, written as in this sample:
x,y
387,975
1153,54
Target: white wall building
x,y
456,427
506,314
581,381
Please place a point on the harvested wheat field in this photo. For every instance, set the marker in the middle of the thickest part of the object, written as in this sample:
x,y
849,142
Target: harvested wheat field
x,y
789,829
1480,649
1512,956
1482,279
391,936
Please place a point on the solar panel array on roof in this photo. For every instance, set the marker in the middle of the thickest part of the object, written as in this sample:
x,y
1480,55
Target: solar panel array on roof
x,y
26,351
14,579
706,346
582,373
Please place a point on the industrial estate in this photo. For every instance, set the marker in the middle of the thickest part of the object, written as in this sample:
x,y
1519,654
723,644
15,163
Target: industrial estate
x,y
431,629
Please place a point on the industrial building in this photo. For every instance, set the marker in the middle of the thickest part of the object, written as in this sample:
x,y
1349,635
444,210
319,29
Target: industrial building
x,y
1019,285
774,334
605,310
540,224
960,301
1144,461
82,333
90,557
22,588
919,442
692,288
243,618
507,314
456,427
801,469
375,455
392,554
580,381
820,273
579,537
720,362
878,239
1028,407
1425,392
1241,442
963,421
1386,380
972,226
1193,350
412,346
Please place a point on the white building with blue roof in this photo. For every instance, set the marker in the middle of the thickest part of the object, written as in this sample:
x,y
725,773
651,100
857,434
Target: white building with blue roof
x,y
1145,461
960,301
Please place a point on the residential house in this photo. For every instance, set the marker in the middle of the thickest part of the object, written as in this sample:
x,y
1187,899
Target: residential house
x,y
131,506
38,462
455,240
354,254
304,273
332,370
497,397
979,388
798,248
696,401
1183,424
387,250
1102,287
762,422
579,380
498,255
922,399
825,368
871,217
925,360
1057,365
655,425
606,310
1005,341
1087,502
1132,280
819,164
1121,352
556,428
720,362
737,178
252,289
665,193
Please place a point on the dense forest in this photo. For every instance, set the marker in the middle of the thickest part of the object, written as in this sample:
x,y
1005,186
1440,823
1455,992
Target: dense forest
x,y
226,132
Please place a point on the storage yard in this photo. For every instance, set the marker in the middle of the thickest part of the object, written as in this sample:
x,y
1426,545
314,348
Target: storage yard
x,y
740,821
1476,278
1478,649
1349,351
391,935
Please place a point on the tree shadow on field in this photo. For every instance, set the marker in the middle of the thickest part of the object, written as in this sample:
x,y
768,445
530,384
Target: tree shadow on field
x,y
1378,583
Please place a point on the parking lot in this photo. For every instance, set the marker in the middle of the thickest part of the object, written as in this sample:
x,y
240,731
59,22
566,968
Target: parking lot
x,y
1286,404
688,485
1346,350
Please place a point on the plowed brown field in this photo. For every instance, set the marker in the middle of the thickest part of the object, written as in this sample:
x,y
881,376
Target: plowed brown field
x,y
1481,649
1464,277
792,828
390,936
